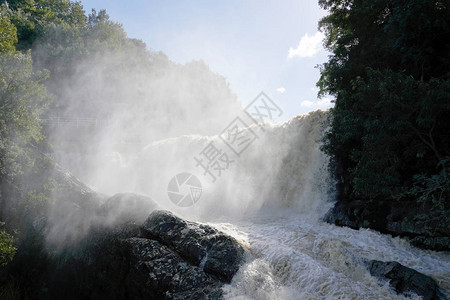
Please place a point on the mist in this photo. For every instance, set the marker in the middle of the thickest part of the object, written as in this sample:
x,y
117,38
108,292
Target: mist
x,y
124,174
130,124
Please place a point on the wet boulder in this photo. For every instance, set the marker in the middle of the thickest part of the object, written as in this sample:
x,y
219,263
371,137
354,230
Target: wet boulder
x,y
155,270
423,228
126,207
213,251
166,257
405,280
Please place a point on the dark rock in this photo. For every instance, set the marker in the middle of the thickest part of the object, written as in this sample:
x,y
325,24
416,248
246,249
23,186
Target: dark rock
x,y
357,213
339,216
127,262
424,229
83,245
438,243
70,211
202,245
71,189
410,220
126,207
405,280
157,270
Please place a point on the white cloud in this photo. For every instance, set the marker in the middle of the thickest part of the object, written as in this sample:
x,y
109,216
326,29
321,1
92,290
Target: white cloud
x,y
308,45
281,90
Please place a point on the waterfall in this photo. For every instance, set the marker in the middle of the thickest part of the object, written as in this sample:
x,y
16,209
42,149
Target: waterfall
x,y
271,198
283,168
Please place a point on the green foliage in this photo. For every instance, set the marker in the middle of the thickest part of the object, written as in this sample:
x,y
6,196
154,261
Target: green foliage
x,y
22,101
57,36
389,74
32,17
8,33
7,249
104,34
62,39
434,189
39,197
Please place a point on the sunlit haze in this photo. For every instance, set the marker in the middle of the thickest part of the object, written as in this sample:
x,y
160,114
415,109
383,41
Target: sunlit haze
x,y
270,46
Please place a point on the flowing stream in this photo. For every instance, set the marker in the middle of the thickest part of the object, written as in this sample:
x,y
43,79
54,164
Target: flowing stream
x,y
294,256
271,198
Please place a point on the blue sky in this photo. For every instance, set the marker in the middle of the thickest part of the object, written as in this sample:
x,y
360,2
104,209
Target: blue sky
x,y
270,46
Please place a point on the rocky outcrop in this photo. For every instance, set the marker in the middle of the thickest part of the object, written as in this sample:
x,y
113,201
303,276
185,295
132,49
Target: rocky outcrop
x,y
71,209
405,280
204,246
423,228
164,258
126,207
84,245
156,271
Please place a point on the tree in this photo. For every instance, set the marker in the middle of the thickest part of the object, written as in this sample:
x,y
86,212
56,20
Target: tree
x,y
8,33
31,17
7,250
22,100
389,72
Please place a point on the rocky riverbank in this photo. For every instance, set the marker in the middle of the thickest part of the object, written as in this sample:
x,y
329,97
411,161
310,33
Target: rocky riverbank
x,y
422,227
405,280
83,245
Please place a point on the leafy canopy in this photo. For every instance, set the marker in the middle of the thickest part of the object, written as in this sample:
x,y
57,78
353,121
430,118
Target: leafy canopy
x,y
389,72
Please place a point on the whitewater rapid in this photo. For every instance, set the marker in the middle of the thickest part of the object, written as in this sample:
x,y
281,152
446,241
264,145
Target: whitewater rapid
x,y
294,256
272,199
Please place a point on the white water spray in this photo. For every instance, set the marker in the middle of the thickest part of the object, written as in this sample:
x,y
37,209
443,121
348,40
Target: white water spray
x,y
271,199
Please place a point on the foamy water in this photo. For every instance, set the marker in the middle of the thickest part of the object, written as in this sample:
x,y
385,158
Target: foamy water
x,y
272,199
296,257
